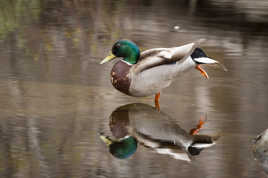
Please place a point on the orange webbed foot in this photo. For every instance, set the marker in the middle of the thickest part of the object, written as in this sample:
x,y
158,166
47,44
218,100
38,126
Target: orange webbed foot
x,y
200,124
156,101
203,72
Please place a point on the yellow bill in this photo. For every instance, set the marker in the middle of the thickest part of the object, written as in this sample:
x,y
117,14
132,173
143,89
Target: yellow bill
x,y
108,58
106,140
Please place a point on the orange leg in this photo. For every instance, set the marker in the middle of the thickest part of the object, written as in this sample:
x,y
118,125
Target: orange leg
x,y
156,101
203,72
200,124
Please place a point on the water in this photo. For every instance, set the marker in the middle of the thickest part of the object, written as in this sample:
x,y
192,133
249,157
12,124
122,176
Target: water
x,y
56,99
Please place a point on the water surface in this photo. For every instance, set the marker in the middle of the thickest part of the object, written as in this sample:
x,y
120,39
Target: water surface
x,y
56,98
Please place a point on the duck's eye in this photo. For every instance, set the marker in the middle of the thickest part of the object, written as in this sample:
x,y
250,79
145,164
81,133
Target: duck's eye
x,y
116,48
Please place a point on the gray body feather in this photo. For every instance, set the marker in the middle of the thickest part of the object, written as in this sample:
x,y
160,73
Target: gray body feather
x,y
160,68
158,131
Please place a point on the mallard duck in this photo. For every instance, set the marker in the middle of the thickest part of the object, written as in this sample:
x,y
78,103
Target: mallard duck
x,y
147,73
260,147
154,130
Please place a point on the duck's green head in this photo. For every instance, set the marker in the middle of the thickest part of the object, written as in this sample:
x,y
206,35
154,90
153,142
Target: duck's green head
x,y
126,49
123,148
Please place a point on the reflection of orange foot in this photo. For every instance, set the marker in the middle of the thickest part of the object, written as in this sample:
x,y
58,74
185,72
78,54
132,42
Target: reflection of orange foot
x,y
200,124
156,101
203,72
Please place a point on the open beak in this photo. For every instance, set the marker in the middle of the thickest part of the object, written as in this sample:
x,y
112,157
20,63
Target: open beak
x,y
108,58
206,60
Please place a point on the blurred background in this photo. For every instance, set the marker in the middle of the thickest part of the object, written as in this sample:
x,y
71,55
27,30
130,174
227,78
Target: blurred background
x,y
55,97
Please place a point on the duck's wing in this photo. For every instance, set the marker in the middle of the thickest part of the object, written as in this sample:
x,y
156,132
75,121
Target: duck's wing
x,y
159,56
166,148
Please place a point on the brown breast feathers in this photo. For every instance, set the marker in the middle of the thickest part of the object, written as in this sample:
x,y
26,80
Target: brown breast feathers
x,y
119,77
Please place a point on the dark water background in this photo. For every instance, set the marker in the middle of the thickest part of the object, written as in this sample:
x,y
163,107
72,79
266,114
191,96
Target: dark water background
x,y
55,98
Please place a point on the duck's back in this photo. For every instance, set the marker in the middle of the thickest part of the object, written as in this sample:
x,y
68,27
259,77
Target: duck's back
x,y
149,122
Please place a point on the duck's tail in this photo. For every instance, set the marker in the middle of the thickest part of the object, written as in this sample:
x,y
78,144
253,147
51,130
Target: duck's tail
x,y
201,142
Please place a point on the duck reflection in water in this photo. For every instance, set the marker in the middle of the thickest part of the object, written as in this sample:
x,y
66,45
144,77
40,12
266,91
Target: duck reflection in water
x,y
260,149
142,123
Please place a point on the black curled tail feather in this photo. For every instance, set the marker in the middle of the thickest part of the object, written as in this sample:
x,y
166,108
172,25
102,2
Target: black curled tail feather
x,y
201,142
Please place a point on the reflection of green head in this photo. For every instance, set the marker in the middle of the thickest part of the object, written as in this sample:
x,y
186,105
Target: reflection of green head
x,y
124,148
121,149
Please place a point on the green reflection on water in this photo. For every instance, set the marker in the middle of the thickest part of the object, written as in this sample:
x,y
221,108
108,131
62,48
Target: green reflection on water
x,y
12,14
